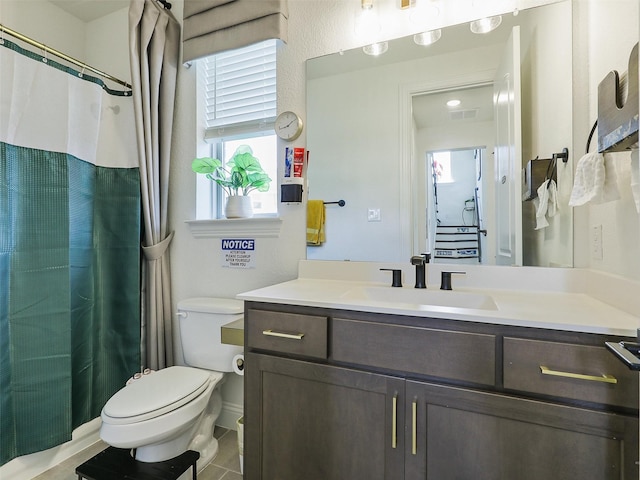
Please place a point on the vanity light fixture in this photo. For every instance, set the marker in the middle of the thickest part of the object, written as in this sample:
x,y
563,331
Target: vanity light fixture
x,y
376,49
453,103
367,23
427,38
486,25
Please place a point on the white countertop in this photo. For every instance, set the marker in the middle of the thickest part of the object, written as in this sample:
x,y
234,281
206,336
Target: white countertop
x,y
569,310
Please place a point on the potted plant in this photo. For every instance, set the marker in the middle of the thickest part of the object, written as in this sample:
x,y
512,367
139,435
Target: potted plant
x,y
241,175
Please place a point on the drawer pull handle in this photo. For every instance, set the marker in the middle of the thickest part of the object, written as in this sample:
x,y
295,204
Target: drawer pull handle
x,y
605,378
414,428
394,422
293,336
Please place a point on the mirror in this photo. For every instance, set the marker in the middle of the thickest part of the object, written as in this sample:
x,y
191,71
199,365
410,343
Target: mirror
x,y
374,123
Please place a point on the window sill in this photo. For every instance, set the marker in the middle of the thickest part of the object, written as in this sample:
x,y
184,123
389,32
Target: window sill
x,y
243,227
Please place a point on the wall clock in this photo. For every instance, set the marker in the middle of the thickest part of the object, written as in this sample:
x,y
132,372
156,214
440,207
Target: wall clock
x,y
288,126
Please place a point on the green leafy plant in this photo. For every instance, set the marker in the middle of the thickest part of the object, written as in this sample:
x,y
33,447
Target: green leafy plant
x,y
241,175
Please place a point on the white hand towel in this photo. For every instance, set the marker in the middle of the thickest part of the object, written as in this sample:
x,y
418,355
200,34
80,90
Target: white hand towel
x,y
552,207
595,181
541,204
635,178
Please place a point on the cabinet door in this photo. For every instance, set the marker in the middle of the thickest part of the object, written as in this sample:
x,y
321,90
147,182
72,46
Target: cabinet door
x,y
462,434
311,421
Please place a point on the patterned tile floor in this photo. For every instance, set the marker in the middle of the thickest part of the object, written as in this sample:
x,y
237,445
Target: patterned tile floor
x,y
226,465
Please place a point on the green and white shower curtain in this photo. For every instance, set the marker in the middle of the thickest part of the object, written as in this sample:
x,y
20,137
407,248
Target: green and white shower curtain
x,y
69,250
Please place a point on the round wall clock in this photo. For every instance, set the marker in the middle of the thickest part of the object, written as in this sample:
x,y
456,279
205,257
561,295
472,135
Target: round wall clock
x,y
288,126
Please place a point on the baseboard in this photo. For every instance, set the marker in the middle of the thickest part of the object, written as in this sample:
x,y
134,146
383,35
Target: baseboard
x,y
229,415
30,466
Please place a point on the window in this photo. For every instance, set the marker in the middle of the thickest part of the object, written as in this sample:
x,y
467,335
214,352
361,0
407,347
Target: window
x,y
237,93
441,167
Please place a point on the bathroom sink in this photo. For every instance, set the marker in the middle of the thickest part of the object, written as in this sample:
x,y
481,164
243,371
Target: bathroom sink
x,y
417,296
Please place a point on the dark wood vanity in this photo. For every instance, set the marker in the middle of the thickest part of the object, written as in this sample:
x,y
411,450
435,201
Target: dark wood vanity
x,y
337,394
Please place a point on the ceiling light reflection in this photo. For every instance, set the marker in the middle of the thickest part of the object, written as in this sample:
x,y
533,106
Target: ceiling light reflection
x,y
485,25
427,38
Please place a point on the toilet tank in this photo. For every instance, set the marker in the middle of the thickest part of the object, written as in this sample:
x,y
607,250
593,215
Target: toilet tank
x,y
200,320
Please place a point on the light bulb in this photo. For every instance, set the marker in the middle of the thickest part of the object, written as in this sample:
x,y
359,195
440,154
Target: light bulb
x,y
427,38
376,49
485,25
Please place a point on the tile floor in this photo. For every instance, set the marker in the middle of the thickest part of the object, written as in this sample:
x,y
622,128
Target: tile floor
x,y
226,465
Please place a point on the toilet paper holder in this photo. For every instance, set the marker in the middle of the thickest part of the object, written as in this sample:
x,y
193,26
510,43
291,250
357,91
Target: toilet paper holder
x,y
238,364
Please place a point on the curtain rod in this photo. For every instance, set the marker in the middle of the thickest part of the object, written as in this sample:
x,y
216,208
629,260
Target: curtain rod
x,y
55,52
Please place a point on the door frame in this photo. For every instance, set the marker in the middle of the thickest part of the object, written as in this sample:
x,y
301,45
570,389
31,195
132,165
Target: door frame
x,y
412,165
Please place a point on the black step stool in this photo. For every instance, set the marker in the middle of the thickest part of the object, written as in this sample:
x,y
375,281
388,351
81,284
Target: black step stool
x,y
118,464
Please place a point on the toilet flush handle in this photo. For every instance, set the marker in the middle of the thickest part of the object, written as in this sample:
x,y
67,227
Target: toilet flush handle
x,y
182,314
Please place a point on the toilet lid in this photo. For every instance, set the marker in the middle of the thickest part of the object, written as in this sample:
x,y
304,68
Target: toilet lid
x,y
157,392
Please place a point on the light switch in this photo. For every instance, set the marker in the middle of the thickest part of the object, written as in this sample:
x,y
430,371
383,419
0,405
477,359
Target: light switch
x,y
373,215
596,242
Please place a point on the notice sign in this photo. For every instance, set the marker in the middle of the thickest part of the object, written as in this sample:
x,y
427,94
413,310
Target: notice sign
x,y
238,252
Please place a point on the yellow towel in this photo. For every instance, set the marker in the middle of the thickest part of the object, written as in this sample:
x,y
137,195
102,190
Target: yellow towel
x,y
315,222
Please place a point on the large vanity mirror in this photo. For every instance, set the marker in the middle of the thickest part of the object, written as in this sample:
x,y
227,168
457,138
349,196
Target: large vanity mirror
x,y
417,175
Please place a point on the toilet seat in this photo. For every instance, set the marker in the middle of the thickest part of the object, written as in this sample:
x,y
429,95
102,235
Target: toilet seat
x,y
156,394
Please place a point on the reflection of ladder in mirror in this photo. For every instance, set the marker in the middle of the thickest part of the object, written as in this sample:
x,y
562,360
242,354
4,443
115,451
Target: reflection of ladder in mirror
x,y
456,242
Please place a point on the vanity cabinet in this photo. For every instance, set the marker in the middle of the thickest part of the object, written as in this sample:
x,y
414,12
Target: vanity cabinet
x,y
309,421
334,394
466,434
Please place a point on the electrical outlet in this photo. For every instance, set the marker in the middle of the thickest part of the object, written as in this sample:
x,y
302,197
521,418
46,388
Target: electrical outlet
x,y
373,215
596,242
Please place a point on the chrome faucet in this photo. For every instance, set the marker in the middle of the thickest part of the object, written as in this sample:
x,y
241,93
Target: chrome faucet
x,y
420,261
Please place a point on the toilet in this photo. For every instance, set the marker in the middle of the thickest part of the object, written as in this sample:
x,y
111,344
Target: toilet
x,y
164,413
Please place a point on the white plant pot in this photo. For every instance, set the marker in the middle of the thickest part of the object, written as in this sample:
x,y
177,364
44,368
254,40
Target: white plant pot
x,y
238,206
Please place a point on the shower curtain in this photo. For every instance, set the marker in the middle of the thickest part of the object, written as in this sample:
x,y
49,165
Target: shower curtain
x,y
69,249
154,50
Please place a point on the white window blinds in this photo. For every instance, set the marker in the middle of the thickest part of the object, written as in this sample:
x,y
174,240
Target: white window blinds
x,y
240,90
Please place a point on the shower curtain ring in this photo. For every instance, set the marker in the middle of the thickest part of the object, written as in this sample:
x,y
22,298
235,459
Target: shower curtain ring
x,y
44,56
81,73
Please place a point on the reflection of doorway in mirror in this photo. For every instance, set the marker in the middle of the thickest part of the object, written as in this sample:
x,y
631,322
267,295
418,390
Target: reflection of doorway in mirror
x,y
455,194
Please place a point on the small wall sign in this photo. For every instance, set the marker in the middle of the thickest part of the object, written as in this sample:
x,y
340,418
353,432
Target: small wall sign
x,y
238,252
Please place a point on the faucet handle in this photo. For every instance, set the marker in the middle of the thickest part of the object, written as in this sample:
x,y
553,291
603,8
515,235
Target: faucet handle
x,y
445,282
396,276
418,260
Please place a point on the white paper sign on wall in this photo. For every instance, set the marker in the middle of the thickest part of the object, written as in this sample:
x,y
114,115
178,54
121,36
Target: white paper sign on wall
x,y
238,252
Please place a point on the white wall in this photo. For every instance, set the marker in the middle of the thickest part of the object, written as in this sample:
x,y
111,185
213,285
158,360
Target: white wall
x,y
620,221
547,129
597,51
47,24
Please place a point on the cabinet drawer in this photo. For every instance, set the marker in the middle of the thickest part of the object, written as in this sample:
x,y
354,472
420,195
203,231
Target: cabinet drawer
x,y
304,335
441,353
579,372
